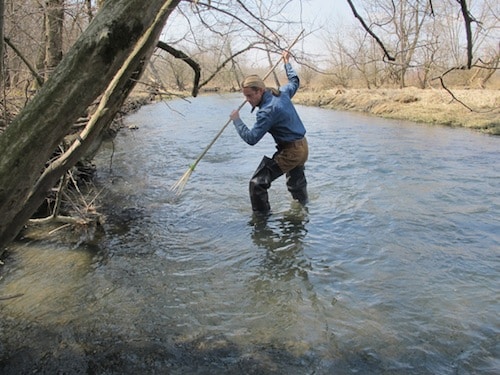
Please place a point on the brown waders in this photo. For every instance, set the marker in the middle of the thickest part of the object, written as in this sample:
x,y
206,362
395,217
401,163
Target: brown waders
x,y
290,159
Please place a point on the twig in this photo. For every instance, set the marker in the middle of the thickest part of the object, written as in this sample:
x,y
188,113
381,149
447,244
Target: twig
x,y
443,85
58,229
4,298
452,95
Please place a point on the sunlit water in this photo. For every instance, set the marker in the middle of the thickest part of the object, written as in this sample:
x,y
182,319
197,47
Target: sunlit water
x,y
392,268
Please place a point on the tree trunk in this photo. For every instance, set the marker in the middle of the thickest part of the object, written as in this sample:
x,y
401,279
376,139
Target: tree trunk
x,y
53,34
116,44
1,41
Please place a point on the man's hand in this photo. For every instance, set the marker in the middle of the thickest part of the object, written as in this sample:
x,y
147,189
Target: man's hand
x,y
286,56
235,115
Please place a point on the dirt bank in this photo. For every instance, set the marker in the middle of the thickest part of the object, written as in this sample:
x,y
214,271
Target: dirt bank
x,y
480,109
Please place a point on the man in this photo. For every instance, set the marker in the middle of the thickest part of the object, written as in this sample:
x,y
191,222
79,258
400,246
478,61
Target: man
x,y
276,115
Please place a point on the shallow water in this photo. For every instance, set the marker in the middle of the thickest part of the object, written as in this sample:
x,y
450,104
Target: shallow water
x,y
393,266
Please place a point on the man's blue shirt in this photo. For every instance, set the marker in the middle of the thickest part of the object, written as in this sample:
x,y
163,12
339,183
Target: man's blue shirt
x,y
276,115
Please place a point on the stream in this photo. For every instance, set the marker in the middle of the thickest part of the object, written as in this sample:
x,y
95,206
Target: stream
x,y
392,267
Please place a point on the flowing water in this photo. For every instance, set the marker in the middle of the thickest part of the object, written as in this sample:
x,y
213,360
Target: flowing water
x,y
392,268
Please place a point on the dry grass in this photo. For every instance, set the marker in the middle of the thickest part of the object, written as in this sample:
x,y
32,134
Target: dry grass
x,y
433,106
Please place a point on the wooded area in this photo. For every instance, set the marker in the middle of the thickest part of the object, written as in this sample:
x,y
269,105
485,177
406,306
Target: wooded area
x,y
69,65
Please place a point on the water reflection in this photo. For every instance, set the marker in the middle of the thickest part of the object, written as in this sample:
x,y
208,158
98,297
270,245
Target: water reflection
x,y
283,288
279,231
282,235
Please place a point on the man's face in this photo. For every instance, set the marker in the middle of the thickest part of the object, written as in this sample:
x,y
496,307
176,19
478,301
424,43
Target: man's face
x,y
253,95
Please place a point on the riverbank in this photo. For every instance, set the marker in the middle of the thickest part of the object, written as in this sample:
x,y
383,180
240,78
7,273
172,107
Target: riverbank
x,y
478,110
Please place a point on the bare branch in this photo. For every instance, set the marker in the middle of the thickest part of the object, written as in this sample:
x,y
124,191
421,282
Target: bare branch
x,y
38,77
369,31
432,8
229,59
232,15
443,85
193,64
468,30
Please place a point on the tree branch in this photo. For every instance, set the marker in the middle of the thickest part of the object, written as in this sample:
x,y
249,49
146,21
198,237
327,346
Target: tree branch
x,y
38,77
468,30
232,15
231,58
369,31
193,64
443,85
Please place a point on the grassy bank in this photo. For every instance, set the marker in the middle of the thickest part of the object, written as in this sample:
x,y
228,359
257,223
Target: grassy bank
x,y
433,106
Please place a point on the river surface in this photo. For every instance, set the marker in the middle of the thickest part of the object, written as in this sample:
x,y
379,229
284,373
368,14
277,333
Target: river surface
x,y
392,268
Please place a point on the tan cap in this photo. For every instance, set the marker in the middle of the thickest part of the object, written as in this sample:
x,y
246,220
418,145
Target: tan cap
x,y
253,81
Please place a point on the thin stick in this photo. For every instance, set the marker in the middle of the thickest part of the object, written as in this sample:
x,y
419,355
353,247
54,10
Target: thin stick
x,y
181,183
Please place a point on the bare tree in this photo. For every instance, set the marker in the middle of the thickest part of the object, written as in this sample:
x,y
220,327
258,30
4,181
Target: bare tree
x,y
403,29
341,65
400,24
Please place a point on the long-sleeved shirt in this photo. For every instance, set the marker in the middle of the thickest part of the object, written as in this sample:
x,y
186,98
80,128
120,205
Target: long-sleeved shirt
x,y
276,115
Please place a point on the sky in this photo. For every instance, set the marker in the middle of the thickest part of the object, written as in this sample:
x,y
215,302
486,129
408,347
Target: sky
x,y
317,15
322,11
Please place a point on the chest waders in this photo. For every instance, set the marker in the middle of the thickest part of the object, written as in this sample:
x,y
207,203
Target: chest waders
x,y
268,171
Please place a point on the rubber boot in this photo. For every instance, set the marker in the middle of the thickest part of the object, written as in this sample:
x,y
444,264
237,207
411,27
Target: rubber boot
x,y
267,171
297,184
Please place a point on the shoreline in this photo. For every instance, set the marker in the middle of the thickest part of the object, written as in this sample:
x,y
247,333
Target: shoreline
x,y
477,110
474,109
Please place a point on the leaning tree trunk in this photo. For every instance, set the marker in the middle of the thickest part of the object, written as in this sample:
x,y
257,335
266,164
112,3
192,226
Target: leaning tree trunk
x,y
113,49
